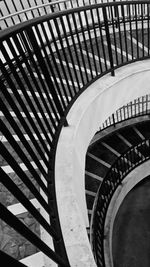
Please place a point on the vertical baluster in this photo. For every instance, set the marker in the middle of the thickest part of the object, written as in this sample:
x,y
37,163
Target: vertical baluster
x,y
70,52
125,32
49,54
99,10
120,34
13,86
109,120
38,11
9,11
43,66
87,18
131,34
44,8
83,77
96,36
68,73
137,31
5,20
114,35
21,3
148,28
108,40
28,1
15,8
60,59
143,41
146,102
80,44
117,116
85,42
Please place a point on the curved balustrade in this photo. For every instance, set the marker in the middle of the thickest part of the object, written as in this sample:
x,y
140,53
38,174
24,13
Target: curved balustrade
x,y
133,157
45,64
15,11
136,108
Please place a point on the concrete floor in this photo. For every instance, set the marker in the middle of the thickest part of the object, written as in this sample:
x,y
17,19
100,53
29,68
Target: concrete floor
x,y
131,233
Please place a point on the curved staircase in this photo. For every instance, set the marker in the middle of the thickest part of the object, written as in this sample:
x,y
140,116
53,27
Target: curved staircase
x,y
104,152
71,68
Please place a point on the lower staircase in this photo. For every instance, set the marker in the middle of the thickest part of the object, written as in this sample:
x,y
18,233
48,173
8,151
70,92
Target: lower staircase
x,y
105,150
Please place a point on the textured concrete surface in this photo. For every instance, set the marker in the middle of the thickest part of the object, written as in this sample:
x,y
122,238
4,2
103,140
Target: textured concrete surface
x,y
13,243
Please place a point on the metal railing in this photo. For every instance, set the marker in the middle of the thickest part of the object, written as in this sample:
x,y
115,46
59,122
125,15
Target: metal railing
x,y
13,12
133,157
45,64
138,107
16,11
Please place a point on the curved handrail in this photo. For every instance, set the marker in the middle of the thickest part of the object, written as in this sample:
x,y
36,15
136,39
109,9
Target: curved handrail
x,y
13,12
133,157
36,7
10,9
53,59
138,107
135,109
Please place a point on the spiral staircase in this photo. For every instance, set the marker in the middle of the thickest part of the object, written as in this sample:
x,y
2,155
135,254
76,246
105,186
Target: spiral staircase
x,y
50,54
104,152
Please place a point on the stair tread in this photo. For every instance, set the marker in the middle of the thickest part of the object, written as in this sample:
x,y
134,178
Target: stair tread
x,y
130,135
103,153
115,142
144,128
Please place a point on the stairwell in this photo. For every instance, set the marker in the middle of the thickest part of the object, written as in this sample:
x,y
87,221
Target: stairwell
x,y
101,154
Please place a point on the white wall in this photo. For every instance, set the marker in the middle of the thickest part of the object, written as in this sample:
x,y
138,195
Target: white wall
x,y
99,101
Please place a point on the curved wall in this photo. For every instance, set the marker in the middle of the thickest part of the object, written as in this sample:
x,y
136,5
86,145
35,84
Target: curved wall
x,y
94,105
131,180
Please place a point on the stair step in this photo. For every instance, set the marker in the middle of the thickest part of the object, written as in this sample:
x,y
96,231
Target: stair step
x,y
94,176
144,129
35,260
18,208
116,143
139,133
124,139
8,169
96,167
91,184
106,155
104,163
130,136
104,152
111,149
26,136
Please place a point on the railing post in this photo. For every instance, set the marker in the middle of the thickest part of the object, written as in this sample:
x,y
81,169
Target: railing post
x,y
113,117
108,40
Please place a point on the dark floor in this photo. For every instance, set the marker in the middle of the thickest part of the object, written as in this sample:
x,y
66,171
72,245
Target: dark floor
x,y
131,233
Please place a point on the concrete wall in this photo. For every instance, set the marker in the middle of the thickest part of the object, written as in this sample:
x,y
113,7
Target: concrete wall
x,y
99,101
